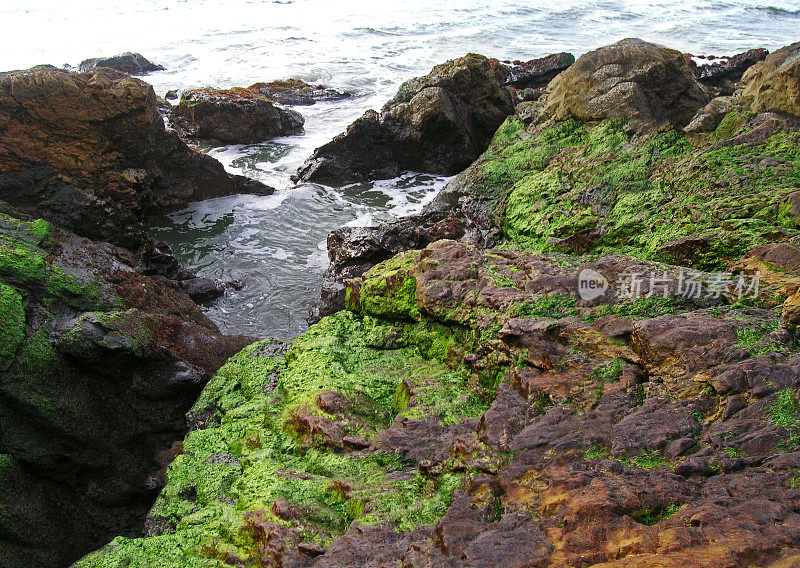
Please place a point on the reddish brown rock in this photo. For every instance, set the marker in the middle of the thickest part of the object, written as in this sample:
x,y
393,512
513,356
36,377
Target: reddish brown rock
x,y
89,151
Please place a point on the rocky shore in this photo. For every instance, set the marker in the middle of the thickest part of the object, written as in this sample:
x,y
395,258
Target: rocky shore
x,y
583,353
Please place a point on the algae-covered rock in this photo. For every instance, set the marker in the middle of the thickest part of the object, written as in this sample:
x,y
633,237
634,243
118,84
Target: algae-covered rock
x,y
650,85
472,410
89,152
98,364
233,116
774,84
437,124
661,197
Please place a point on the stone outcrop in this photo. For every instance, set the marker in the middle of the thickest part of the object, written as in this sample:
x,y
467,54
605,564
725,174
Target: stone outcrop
x,y
89,152
721,75
774,84
470,410
437,124
233,116
294,92
648,84
98,365
530,78
130,63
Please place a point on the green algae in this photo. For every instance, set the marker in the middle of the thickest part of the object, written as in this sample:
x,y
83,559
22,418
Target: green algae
x,y
250,455
390,289
639,196
12,324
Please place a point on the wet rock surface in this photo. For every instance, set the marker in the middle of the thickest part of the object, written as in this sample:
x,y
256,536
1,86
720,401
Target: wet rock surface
x,y
130,63
99,363
233,116
722,74
89,152
437,124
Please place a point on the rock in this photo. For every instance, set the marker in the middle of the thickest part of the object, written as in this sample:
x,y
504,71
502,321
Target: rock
x,y
354,250
774,84
437,124
232,116
646,83
723,73
538,73
89,152
294,92
708,118
130,63
171,95
510,423
99,365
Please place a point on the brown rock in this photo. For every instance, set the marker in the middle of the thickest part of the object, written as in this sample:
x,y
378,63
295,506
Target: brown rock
x,y
774,84
632,79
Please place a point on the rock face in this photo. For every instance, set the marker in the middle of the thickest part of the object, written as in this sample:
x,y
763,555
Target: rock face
x,y
294,92
130,63
469,410
233,116
530,78
774,84
437,124
89,152
98,365
722,75
646,83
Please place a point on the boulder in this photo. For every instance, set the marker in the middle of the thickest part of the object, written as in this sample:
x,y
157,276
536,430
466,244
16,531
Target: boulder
x,y
130,63
538,72
437,124
646,83
98,365
294,92
774,84
89,152
232,116
721,74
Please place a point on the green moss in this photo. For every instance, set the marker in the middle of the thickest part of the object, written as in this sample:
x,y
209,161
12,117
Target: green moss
x,y
12,324
555,306
648,459
25,266
756,339
638,195
649,517
608,372
251,454
596,453
390,288
785,411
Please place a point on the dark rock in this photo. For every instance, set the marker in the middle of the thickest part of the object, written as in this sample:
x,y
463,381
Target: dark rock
x,y
89,152
294,92
353,251
646,83
232,116
171,95
722,74
537,73
437,124
93,395
130,63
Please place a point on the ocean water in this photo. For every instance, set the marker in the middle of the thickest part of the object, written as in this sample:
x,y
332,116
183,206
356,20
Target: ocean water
x,y
275,246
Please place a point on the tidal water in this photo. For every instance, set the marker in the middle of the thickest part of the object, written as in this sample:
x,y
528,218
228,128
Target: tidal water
x,y
275,246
